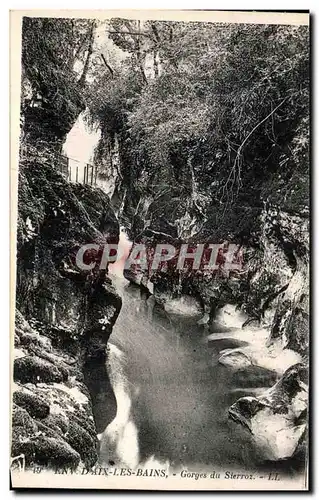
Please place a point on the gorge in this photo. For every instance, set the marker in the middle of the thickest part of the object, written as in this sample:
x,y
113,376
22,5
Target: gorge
x,y
166,368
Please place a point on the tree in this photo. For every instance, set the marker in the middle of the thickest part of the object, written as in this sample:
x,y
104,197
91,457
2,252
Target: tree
x,y
221,126
56,55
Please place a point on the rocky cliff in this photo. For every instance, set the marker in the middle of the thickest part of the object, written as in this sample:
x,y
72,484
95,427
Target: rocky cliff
x,y
64,316
272,289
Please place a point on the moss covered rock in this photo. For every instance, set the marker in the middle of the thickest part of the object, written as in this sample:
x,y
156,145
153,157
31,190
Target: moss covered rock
x,y
23,422
35,406
58,422
47,451
60,307
34,369
35,340
83,443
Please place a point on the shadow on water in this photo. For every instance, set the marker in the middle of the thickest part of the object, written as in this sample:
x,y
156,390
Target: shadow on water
x,y
103,400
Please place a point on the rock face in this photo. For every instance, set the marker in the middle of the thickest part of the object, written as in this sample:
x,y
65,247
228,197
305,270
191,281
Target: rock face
x,y
52,413
64,315
277,419
271,292
272,288
55,218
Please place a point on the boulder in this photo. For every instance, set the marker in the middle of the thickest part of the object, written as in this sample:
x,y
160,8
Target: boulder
x,y
184,306
234,358
34,369
35,406
277,419
254,376
230,316
52,412
83,443
46,451
22,422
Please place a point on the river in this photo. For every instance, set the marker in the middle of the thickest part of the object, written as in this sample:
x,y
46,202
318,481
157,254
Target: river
x,y
172,394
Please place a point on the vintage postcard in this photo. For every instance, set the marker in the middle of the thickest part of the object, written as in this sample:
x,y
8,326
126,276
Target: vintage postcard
x,y
160,250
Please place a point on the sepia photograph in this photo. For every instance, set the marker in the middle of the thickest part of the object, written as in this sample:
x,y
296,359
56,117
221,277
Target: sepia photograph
x,y
160,200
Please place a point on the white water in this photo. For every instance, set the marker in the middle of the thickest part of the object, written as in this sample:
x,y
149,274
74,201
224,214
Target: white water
x,y
124,247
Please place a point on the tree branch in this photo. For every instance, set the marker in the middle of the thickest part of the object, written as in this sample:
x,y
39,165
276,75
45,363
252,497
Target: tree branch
x,y
107,65
89,53
232,175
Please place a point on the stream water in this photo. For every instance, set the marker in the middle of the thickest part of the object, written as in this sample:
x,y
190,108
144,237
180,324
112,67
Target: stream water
x,y
164,398
172,394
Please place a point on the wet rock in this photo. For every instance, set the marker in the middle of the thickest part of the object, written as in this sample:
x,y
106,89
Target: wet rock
x,y
276,419
224,343
103,308
230,316
254,376
184,306
290,326
235,359
301,450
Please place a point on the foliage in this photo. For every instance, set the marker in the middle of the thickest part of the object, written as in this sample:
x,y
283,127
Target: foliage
x,y
222,121
55,59
211,119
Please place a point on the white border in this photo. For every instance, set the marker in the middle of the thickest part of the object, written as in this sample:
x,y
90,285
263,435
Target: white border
x,y
4,197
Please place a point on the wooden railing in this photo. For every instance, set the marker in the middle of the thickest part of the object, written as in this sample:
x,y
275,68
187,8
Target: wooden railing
x,y
72,169
76,171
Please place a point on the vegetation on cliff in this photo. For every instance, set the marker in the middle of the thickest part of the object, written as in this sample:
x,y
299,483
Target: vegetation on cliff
x,y
56,54
214,123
